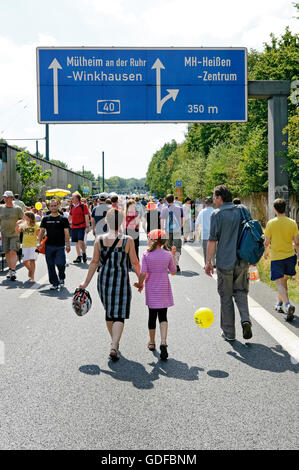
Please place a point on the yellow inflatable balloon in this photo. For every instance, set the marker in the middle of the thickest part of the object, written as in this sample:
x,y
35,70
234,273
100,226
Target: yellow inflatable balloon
x,y
204,317
69,185
38,206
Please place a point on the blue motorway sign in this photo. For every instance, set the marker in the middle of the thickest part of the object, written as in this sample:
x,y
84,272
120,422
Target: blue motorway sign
x,y
122,85
179,183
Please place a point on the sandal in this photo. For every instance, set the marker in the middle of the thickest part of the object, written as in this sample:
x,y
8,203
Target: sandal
x,y
151,346
114,356
163,353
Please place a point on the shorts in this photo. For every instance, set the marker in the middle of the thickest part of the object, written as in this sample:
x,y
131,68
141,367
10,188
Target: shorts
x,y
10,243
78,234
29,253
283,267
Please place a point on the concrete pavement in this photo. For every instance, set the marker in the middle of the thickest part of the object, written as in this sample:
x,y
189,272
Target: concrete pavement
x,y
60,391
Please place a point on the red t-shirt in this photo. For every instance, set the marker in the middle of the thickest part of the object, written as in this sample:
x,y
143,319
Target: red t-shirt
x,y
78,216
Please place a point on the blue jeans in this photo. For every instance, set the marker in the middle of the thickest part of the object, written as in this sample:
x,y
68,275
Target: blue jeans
x,y
55,256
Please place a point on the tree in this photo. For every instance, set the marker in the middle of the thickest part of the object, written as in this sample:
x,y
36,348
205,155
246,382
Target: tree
x,y
88,174
59,163
32,176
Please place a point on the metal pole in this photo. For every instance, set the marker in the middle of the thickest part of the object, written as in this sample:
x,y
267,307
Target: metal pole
x,y
36,148
103,166
277,149
47,142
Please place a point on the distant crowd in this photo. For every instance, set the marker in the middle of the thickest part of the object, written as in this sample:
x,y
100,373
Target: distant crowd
x,y
48,227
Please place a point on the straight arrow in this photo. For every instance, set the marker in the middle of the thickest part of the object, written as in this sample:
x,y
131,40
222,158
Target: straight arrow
x,y
55,65
158,66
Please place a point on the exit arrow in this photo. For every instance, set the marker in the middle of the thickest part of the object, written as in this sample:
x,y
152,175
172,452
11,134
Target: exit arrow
x,y
171,93
55,65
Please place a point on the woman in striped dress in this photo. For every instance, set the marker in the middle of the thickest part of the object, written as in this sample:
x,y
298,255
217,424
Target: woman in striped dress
x,y
113,279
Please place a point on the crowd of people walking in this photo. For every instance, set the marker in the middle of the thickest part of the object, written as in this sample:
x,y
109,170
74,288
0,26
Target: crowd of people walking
x,y
116,222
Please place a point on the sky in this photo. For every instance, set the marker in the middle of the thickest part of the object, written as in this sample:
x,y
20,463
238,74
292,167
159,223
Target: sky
x,y
27,24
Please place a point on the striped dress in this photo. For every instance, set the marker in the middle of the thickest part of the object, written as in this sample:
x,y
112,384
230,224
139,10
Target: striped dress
x,y
114,283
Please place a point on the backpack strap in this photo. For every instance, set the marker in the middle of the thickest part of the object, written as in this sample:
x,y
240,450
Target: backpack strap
x,y
245,215
104,259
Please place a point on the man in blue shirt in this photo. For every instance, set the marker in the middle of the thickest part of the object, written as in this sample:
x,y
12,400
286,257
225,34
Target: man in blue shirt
x,y
232,273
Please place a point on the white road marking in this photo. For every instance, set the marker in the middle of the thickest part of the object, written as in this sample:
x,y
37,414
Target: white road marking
x,y
31,291
286,338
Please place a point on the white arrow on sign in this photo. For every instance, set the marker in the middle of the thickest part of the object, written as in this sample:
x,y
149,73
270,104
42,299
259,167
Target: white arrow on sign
x,y
171,93
55,65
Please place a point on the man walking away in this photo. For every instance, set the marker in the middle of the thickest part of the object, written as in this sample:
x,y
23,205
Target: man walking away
x,y
9,215
19,203
280,233
58,237
233,280
98,215
79,218
203,225
172,222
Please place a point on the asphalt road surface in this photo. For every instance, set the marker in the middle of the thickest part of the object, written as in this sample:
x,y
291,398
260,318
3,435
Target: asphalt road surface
x,y
60,391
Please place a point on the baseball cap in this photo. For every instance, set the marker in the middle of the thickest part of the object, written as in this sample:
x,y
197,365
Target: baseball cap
x,y
103,196
8,194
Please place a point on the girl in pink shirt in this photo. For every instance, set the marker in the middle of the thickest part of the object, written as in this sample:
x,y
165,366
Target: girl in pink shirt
x,y
157,261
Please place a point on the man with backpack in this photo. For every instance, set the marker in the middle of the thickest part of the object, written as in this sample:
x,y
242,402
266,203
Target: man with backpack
x,y
232,273
79,219
172,218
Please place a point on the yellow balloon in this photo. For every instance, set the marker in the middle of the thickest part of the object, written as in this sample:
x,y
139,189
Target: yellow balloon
x,y
204,317
38,206
69,185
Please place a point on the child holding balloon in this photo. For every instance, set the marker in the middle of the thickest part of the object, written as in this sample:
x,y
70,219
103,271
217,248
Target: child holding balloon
x,y
30,230
157,261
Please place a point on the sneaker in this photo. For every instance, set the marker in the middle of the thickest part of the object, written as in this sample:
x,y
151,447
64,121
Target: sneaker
x,y
84,257
61,282
226,338
13,276
278,308
9,274
54,287
290,310
163,353
247,332
77,260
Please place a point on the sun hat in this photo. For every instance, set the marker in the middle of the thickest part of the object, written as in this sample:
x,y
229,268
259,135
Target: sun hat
x,y
8,194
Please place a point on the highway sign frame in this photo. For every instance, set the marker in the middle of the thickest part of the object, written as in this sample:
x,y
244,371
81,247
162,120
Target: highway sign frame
x,y
112,117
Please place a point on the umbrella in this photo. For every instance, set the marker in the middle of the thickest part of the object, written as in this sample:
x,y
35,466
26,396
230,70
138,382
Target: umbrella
x,y
57,192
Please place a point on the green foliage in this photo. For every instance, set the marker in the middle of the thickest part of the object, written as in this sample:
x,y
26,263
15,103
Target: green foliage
x,y
59,163
292,165
160,169
123,185
32,176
